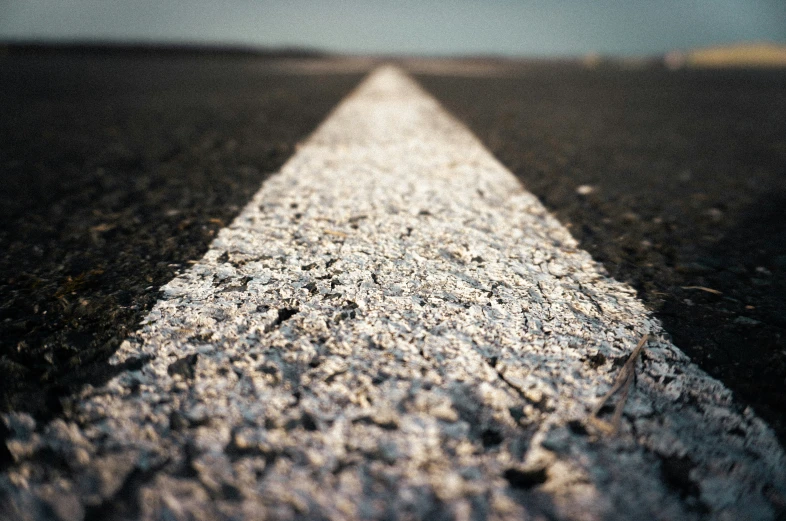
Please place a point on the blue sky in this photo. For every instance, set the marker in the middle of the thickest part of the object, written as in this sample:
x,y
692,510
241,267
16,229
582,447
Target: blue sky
x,y
507,27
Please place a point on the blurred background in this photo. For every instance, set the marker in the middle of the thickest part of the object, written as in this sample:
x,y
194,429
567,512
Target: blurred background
x,y
510,28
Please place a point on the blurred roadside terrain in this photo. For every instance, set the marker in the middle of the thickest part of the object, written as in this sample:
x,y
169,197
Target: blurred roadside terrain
x,y
740,55
737,56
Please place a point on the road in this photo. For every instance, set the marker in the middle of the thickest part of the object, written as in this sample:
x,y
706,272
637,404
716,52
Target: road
x,y
117,172
681,474
687,178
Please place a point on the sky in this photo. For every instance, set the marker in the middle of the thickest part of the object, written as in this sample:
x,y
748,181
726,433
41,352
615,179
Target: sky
x,y
426,27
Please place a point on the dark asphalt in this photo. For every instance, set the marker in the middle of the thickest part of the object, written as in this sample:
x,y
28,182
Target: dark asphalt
x,y
689,176
116,171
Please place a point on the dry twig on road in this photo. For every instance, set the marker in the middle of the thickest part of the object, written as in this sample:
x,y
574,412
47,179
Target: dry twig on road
x,y
623,382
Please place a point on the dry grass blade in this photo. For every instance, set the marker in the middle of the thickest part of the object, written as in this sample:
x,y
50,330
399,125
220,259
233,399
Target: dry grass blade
x,y
703,288
623,382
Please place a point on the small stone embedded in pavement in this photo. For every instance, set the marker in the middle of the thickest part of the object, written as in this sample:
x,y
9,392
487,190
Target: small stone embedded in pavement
x,y
585,189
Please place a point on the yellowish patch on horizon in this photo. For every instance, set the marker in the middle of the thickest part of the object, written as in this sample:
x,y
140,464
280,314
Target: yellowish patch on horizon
x,y
739,55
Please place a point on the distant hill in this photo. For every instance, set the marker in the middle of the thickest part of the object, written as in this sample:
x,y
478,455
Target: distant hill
x,y
121,48
734,55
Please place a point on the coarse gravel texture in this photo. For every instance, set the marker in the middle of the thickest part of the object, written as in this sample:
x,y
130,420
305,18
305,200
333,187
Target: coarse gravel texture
x,y
675,181
393,329
116,172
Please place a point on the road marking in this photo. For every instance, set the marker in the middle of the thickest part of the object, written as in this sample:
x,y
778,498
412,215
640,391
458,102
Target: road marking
x,y
393,326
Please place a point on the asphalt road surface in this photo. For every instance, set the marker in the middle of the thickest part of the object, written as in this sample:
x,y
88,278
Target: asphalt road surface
x,y
119,171
676,182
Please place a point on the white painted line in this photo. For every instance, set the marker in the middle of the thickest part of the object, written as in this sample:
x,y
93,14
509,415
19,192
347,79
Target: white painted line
x,y
394,328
